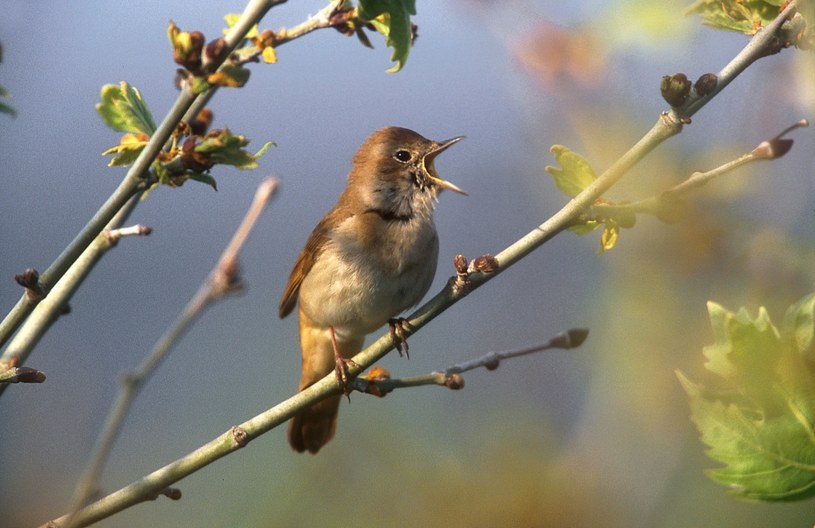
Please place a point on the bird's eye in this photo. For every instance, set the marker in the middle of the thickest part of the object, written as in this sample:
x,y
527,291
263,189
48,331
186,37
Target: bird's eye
x,y
403,156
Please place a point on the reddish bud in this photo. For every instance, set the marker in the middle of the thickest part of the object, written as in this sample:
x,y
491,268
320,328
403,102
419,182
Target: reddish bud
x,y
460,263
485,264
171,493
215,51
239,436
675,88
454,381
492,363
705,84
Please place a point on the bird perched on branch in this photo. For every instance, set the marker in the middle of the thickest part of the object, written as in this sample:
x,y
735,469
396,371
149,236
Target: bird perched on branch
x,y
370,258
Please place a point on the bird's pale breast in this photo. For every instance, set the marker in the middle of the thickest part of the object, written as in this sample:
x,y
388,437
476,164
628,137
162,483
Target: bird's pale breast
x,y
367,274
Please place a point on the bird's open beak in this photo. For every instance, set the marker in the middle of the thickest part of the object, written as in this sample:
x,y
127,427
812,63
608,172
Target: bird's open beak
x,y
430,168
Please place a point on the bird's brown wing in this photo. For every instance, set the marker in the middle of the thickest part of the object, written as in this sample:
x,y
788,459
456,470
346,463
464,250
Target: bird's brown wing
x,y
314,246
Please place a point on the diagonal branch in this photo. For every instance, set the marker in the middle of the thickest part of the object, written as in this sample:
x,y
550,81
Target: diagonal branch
x,y
664,205
380,383
222,280
137,179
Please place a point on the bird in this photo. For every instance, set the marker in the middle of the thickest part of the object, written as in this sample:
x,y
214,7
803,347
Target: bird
x,y
371,257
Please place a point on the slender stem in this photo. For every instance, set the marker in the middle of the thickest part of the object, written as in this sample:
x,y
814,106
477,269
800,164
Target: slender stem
x,y
451,376
130,185
763,43
656,204
186,105
49,310
221,281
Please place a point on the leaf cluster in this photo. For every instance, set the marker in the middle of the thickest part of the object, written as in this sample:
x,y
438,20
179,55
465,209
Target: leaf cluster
x,y
744,16
750,16
759,420
572,177
193,150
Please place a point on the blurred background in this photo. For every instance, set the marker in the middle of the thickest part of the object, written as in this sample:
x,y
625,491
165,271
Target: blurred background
x,y
598,436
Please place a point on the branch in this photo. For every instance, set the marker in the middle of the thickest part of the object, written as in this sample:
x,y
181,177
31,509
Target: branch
x,y
769,40
48,310
664,205
138,178
321,20
222,280
379,383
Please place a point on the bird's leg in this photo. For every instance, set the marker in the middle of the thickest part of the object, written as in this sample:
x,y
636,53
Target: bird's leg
x,y
398,327
341,366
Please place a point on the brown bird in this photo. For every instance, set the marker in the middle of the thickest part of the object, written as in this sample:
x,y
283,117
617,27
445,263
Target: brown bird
x,y
370,258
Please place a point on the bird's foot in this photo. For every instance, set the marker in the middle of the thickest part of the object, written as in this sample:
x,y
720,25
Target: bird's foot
x,y
341,365
398,327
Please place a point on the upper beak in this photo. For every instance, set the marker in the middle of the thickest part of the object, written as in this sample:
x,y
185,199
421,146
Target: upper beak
x,y
430,169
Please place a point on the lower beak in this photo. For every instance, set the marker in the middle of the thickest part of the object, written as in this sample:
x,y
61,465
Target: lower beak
x,y
430,168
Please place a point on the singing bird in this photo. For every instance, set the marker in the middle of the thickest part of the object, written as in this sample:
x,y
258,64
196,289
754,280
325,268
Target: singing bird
x,y
370,258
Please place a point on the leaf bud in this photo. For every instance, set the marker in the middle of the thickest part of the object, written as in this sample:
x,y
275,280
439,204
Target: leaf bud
x,y
484,264
675,88
454,381
705,84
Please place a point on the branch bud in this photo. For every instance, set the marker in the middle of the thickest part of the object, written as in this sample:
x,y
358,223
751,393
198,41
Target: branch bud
x,y
705,84
675,88
454,381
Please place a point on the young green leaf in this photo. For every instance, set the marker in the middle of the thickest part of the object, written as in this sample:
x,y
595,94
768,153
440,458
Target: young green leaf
x,y
232,18
230,75
609,237
4,108
127,150
760,421
122,108
391,18
227,148
744,16
575,173
585,228
799,326
203,178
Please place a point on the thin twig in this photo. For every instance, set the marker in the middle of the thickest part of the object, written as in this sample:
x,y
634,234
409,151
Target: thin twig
x,y
380,384
662,204
222,280
51,307
137,179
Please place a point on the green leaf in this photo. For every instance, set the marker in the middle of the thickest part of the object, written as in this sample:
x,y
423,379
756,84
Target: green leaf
x,y
799,326
744,16
229,75
609,237
203,178
123,109
227,148
766,459
585,228
745,350
575,175
392,19
232,18
127,150
759,421
4,108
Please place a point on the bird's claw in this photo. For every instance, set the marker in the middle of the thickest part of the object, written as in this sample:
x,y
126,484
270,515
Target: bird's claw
x,y
398,328
341,371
